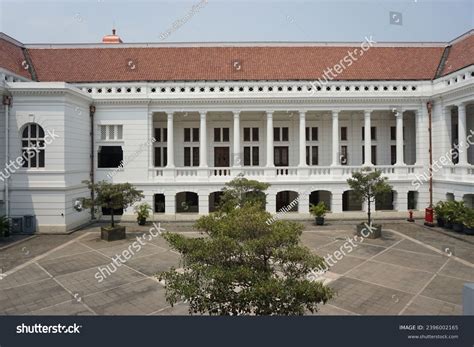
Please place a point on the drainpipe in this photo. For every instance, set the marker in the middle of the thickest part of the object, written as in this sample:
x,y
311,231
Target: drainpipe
x,y
7,102
429,209
91,114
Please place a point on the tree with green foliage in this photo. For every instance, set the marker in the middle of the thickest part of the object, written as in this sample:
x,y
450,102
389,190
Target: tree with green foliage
x,y
367,185
112,196
4,226
242,190
245,266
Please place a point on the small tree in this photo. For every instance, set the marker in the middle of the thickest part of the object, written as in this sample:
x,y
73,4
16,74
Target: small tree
x,y
112,196
242,190
367,185
245,266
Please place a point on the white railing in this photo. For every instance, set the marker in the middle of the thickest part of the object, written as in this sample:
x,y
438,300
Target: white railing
x,y
253,171
287,171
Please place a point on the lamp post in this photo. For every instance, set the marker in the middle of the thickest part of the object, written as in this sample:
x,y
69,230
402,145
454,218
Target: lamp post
x,y
429,209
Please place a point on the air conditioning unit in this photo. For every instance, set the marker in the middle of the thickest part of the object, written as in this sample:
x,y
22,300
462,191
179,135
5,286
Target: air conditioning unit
x,y
16,225
29,224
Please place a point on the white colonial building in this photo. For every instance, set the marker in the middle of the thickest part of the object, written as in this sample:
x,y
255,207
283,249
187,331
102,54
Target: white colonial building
x,y
180,120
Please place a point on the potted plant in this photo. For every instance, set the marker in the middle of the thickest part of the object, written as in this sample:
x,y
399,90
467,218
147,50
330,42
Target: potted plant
x,y
367,185
4,226
469,221
450,213
112,196
458,217
440,212
319,211
143,212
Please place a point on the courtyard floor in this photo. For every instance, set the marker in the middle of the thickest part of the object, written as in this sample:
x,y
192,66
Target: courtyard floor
x,y
411,270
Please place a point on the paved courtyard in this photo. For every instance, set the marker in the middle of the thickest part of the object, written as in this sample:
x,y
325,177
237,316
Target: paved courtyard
x,y
411,270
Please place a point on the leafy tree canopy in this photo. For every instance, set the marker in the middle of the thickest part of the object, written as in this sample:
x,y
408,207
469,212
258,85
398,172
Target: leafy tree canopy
x,y
242,190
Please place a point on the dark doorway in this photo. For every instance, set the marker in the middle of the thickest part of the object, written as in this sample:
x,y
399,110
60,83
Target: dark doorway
x,y
221,157
281,156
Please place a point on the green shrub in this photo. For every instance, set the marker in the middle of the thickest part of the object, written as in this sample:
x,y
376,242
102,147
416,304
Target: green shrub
x,y
318,210
4,226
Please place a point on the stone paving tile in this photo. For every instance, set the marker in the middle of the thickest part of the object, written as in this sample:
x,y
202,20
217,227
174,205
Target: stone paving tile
x,y
411,281
360,251
69,308
422,305
73,263
139,298
315,240
138,250
456,269
28,274
89,281
367,299
446,289
330,310
181,309
408,245
387,239
32,297
72,249
155,263
418,261
93,241
345,264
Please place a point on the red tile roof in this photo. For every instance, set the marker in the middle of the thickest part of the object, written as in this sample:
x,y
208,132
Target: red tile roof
x,y
12,58
102,63
217,63
460,55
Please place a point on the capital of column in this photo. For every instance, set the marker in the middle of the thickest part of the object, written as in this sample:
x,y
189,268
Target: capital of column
x,y
236,113
203,114
169,114
269,114
367,113
335,113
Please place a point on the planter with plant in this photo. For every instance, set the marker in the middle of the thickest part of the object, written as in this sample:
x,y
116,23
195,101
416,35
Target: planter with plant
x,y
367,185
459,216
112,196
319,211
143,212
450,213
440,212
469,222
4,226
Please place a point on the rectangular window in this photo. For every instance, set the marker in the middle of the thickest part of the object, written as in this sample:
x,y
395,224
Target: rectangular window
x,y
284,136
158,134
187,156
251,156
344,159
225,134
373,133
307,154
217,135
165,134
247,134
393,133
158,157
314,134
161,158
343,133
187,134
109,156
195,156
307,134
255,158
255,134
281,156
374,155
246,156
393,155
363,133
195,134
276,134
314,155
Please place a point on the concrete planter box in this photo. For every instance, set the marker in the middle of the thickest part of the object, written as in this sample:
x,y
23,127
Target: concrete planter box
x,y
373,233
113,234
319,220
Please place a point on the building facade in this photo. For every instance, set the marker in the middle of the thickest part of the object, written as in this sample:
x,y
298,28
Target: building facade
x,y
180,120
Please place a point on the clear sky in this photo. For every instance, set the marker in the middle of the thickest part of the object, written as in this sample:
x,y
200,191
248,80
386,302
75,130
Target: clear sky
x,y
83,21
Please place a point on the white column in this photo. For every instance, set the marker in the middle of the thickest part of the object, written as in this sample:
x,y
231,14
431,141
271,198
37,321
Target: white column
x,y
462,134
270,162
237,162
170,142
367,139
202,140
421,135
400,160
151,134
302,135
335,139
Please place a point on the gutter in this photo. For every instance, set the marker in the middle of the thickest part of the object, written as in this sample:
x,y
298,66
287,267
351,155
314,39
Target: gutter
x,y
91,174
7,102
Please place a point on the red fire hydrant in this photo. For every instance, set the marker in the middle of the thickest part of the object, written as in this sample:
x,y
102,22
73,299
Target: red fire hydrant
x,y
410,216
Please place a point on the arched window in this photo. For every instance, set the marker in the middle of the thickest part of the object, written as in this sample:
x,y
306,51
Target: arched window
x,y
32,146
